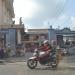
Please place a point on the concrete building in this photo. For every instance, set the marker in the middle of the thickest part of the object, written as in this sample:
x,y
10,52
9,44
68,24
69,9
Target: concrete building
x,y
10,34
63,37
6,12
34,37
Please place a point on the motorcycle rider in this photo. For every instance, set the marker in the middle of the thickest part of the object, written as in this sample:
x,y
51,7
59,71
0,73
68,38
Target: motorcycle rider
x,y
49,48
45,46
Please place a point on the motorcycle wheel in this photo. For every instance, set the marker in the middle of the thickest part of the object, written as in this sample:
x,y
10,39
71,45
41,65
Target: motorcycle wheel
x,y
32,63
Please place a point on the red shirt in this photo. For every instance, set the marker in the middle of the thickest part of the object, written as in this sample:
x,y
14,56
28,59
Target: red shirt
x,y
45,48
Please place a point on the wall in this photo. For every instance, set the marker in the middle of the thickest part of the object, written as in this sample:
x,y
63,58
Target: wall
x,y
11,40
0,12
51,35
5,17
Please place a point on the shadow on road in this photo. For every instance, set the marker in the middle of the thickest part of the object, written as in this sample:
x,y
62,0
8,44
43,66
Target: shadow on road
x,y
58,69
45,68
2,63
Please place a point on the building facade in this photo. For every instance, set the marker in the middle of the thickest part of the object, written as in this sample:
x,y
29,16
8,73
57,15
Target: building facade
x,y
6,15
34,38
6,12
62,37
10,34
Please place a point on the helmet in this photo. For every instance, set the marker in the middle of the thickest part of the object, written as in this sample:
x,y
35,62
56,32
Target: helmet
x,y
46,41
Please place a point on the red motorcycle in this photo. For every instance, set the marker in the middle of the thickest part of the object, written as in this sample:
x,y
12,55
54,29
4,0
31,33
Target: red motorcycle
x,y
43,58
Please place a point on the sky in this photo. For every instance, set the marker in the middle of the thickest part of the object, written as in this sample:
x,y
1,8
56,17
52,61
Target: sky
x,y
43,13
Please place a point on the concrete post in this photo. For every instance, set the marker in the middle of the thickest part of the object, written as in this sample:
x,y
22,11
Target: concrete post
x,y
19,36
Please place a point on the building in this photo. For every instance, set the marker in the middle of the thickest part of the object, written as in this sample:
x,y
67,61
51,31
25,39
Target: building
x,y
6,12
34,37
63,36
10,34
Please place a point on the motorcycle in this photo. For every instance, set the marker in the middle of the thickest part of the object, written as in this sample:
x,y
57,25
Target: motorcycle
x,y
44,58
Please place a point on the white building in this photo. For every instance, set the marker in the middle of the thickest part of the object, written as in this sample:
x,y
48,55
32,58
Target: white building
x,y
6,12
10,34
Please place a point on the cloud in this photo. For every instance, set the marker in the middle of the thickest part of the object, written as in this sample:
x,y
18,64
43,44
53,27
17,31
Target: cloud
x,y
72,26
50,8
24,8
39,11
61,21
47,9
73,20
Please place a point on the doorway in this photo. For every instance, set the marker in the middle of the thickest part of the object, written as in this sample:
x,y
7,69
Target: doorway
x,y
60,41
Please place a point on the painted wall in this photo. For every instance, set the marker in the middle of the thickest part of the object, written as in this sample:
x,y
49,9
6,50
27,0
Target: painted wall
x,y
11,38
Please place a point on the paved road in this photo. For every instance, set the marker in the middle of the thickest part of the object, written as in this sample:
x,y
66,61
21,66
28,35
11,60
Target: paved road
x,y
20,68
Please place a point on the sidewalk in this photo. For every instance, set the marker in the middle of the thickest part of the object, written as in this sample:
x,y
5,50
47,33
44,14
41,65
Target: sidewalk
x,y
17,59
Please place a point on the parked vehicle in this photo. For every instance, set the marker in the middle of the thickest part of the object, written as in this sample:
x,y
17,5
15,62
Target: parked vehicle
x,y
43,58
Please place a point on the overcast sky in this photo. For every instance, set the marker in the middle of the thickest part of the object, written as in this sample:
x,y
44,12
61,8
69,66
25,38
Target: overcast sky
x,y
43,13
